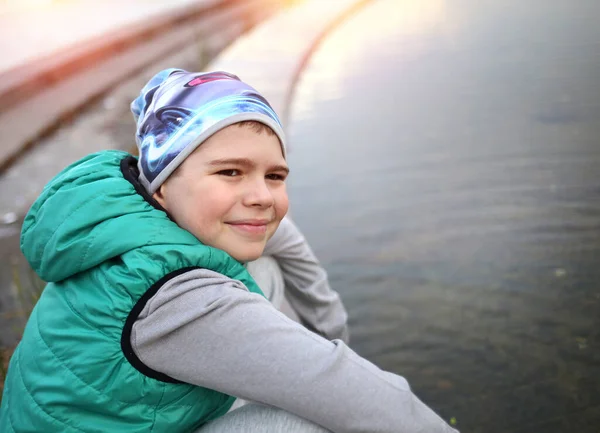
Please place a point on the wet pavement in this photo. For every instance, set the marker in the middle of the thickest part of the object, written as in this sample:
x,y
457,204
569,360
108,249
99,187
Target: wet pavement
x,y
445,168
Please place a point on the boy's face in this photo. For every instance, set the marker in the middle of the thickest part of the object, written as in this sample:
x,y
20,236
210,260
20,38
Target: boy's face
x,y
230,192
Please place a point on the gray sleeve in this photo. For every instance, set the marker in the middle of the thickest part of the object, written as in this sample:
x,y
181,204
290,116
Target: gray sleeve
x,y
307,287
208,330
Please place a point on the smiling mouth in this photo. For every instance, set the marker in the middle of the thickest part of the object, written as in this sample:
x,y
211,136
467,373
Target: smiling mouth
x,y
250,227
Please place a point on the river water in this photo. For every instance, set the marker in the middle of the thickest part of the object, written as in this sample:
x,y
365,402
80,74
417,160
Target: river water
x,y
445,161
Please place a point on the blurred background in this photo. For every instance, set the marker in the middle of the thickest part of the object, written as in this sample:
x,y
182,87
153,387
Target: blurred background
x,y
444,160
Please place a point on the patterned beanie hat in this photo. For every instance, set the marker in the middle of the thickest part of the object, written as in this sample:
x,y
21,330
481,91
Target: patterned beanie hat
x,y
178,110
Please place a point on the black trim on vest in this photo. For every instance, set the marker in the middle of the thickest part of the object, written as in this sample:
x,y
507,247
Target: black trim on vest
x,y
130,171
133,316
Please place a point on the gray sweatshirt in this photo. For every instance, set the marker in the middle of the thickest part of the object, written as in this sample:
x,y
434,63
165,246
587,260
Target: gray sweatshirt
x,y
206,329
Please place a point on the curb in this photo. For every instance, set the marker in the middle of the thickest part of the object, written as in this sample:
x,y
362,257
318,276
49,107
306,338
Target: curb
x,y
312,49
23,81
270,62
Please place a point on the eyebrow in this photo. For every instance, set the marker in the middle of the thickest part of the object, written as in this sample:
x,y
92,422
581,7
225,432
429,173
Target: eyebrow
x,y
245,162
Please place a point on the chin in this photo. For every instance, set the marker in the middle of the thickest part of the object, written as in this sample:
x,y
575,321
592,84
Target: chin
x,y
246,256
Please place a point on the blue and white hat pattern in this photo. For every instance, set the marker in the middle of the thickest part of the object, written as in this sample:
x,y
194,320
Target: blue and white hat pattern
x,y
178,110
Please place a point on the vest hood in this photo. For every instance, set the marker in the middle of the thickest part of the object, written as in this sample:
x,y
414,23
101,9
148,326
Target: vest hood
x,y
84,216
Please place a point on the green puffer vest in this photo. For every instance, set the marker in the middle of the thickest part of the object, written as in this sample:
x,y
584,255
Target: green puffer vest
x,y
105,251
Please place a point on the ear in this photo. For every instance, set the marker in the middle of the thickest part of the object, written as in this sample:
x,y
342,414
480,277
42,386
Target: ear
x,y
159,196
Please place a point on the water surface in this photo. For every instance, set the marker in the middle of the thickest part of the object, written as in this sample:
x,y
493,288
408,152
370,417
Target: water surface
x,y
445,159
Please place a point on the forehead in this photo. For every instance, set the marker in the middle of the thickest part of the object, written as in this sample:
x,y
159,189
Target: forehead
x,y
240,141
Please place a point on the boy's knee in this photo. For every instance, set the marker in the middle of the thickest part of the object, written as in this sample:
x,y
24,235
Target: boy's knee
x,y
267,274
257,418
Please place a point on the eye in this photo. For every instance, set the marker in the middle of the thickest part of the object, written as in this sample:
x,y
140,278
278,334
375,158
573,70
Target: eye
x,y
276,176
229,173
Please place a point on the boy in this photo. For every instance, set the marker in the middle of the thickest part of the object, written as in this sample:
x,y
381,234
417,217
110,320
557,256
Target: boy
x,y
151,321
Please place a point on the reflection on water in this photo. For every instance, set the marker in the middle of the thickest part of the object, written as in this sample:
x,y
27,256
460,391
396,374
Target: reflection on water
x,y
450,151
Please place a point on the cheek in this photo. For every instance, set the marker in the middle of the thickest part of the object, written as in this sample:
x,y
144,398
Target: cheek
x,y
185,205
202,221
183,212
281,203
221,200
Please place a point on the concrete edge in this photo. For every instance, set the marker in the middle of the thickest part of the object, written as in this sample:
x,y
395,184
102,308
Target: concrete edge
x,y
276,64
23,81
312,49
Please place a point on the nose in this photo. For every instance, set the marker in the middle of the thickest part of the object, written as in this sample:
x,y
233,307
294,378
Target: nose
x,y
258,194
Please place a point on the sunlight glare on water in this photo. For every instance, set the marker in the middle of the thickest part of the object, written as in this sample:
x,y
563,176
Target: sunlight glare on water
x,y
405,17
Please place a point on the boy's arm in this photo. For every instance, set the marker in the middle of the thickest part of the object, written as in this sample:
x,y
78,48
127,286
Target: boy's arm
x,y
307,287
206,329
